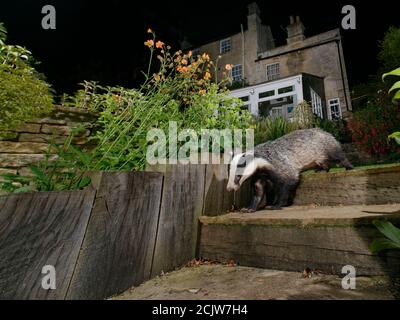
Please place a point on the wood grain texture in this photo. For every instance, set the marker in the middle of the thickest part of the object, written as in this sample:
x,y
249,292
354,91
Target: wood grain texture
x,y
38,229
373,186
217,200
326,248
181,206
119,243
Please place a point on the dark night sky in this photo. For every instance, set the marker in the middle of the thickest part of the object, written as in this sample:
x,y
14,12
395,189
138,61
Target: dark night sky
x,y
104,41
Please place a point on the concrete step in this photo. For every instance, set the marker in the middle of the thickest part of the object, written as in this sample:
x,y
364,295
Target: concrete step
x,y
300,237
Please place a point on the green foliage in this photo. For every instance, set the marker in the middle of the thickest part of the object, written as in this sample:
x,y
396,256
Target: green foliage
x,y
391,239
336,127
60,170
389,55
23,94
303,118
303,115
371,126
181,91
396,86
271,129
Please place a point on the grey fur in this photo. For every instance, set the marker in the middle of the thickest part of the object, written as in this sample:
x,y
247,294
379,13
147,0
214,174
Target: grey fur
x,y
289,155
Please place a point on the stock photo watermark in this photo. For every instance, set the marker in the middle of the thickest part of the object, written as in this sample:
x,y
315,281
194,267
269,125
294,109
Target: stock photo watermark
x,y
189,147
349,280
49,20
49,280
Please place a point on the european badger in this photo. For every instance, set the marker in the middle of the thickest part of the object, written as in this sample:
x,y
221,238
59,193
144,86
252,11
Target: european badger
x,y
276,165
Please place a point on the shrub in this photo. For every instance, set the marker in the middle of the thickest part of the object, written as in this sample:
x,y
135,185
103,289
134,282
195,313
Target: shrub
x,y
271,129
181,90
23,94
371,126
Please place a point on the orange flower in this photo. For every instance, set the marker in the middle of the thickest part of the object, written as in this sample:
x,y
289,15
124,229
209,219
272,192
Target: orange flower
x,y
184,62
159,44
149,30
157,77
149,43
205,56
228,67
202,92
207,76
190,53
181,69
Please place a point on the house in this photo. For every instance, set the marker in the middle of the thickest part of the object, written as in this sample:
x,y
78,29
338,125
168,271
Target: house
x,y
272,80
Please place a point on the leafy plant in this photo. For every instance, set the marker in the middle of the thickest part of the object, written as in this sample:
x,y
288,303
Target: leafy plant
x,y
23,93
371,126
59,170
181,90
391,239
396,86
271,129
389,54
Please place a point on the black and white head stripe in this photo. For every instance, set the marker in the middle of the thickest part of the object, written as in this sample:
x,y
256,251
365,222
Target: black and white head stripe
x,y
243,166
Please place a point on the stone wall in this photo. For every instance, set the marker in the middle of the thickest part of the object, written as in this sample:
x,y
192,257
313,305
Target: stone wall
x,y
28,143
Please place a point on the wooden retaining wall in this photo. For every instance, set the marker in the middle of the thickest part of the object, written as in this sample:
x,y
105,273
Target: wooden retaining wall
x,y
130,226
122,230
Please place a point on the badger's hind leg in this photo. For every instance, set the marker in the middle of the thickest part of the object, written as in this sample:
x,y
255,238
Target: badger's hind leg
x,y
285,191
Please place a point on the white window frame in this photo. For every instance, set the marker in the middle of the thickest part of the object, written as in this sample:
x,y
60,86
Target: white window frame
x,y
254,91
316,103
275,75
334,102
225,45
241,72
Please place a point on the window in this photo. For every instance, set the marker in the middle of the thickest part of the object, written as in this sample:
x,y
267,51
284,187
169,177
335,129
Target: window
x,y
237,72
246,103
334,109
266,94
225,45
285,89
316,103
273,71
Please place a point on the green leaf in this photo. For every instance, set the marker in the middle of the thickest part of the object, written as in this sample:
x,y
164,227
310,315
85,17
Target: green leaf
x,y
382,244
395,72
39,173
395,136
396,86
24,189
85,181
396,96
388,230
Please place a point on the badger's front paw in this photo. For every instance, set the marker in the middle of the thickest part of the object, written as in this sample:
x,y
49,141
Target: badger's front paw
x,y
276,207
247,210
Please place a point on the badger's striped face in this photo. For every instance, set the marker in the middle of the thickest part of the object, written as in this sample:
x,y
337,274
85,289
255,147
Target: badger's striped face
x,y
242,167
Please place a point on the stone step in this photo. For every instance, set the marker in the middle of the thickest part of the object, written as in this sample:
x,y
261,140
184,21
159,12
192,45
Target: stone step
x,y
300,237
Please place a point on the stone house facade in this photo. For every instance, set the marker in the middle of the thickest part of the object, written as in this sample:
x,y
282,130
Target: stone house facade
x,y
272,80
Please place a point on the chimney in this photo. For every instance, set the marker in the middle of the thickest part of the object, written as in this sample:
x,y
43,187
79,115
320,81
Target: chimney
x,y
295,30
253,17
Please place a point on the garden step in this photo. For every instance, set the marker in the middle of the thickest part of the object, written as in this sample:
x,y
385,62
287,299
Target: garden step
x,y
363,185
300,237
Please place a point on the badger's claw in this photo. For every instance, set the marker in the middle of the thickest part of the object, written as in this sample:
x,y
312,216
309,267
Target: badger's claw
x,y
247,210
